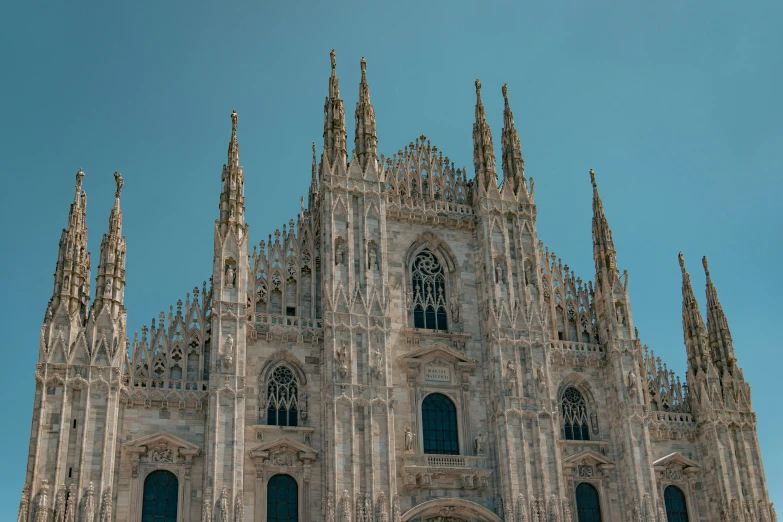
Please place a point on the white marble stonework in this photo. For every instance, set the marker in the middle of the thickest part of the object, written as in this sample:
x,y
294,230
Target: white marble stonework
x,y
317,359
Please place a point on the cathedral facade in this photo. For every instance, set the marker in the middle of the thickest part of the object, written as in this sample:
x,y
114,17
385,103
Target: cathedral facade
x,y
406,350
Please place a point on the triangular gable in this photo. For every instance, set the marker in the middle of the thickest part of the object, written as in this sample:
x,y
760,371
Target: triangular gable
x,y
589,456
441,351
676,458
284,444
141,445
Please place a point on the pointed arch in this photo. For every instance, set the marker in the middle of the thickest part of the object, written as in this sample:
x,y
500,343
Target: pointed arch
x,y
439,295
578,411
460,507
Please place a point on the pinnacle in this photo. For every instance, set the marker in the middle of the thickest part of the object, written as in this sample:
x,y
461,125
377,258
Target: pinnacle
x,y
118,181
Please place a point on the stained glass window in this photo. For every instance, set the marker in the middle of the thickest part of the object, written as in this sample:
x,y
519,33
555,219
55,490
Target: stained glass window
x,y
429,292
574,409
439,418
161,491
282,499
676,510
588,508
282,397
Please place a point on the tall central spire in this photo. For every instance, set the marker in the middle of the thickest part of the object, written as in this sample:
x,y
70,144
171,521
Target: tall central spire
x,y
603,245
365,137
694,331
483,150
72,273
513,164
334,119
110,281
717,326
232,194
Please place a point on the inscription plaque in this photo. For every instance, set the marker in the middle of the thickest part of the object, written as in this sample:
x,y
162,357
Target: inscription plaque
x,y
437,374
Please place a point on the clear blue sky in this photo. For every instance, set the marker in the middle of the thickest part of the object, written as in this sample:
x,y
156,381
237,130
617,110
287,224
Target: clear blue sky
x,y
676,105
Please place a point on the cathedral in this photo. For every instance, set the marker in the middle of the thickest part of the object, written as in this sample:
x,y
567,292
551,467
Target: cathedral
x,y
406,350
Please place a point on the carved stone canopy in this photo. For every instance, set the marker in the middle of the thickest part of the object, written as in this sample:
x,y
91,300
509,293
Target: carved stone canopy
x,y
587,462
162,447
674,466
284,451
438,353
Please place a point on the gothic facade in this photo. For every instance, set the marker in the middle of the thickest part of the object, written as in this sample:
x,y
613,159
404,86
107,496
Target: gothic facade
x,y
406,350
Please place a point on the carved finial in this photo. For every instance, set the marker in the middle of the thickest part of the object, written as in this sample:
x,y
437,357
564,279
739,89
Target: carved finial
x,y
682,262
478,88
364,67
706,267
118,181
592,178
504,89
234,119
334,61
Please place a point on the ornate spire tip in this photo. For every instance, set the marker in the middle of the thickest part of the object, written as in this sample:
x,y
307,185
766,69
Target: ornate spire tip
x,y
504,90
364,66
477,83
592,179
234,119
334,61
706,266
682,262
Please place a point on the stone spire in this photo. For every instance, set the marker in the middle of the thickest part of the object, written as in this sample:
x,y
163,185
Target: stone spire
x,y
232,194
365,138
513,164
334,119
110,281
483,150
603,245
717,326
72,273
313,195
694,331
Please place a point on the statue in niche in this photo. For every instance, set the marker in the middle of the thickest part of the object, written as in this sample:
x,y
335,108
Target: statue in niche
x,y
67,284
303,406
631,382
479,443
373,265
498,273
228,353
342,357
339,253
512,373
529,280
230,276
620,316
455,311
540,376
408,440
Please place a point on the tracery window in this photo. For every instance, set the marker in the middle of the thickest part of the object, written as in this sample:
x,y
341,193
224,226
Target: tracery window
x,y
282,397
588,508
282,499
161,491
439,419
575,419
429,292
676,510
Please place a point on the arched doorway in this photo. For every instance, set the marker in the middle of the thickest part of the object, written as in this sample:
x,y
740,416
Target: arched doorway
x,y
588,507
676,509
161,493
458,509
282,499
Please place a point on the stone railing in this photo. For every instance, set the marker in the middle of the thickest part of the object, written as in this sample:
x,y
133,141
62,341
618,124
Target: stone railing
x,y
428,209
156,383
289,328
573,346
433,471
585,353
673,417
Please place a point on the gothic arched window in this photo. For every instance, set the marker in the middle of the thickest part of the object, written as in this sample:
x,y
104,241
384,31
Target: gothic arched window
x,y
588,508
282,397
282,499
574,410
676,510
439,419
429,292
161,491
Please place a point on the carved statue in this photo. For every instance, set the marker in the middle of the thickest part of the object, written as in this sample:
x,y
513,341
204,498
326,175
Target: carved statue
x,y
303,406
620,316
161,454
70,507
373,265
455,311
408,439
342,357
631,380
230,276
498,273
479,443
228,353
512,370
88,511
339,255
